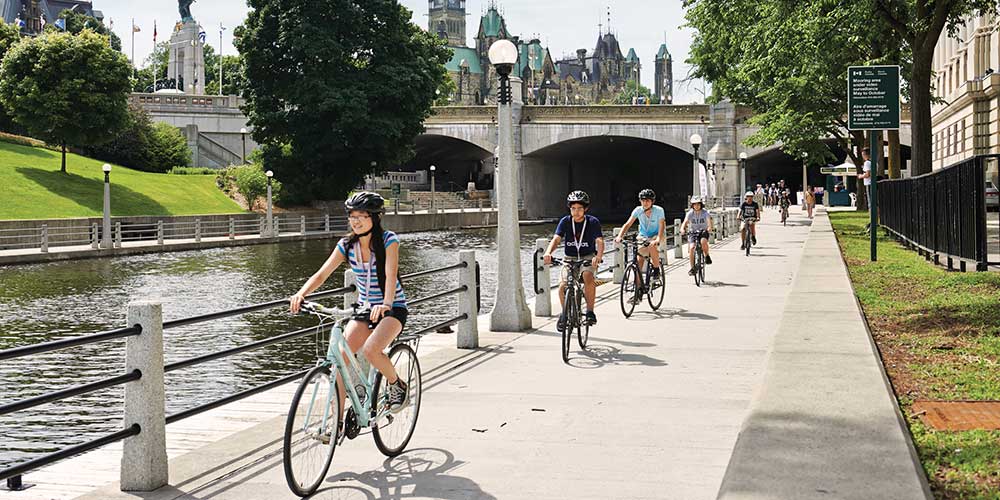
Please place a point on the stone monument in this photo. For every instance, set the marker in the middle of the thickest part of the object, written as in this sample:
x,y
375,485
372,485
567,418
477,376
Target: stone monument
x,y
187,55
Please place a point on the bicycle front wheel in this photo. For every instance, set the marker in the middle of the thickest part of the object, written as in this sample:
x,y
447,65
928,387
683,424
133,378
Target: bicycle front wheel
x,y
572,316
393,431
657,288
583,326
698,263
311,431
628,290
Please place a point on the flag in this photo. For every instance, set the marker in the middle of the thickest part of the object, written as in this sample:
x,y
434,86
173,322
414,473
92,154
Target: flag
x,y
201,36
135,29
221,28
60,23
154,32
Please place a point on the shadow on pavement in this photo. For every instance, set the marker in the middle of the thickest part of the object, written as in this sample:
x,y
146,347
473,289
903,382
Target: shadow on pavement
x,y
426,470
669,312
599,355
719,284
593,338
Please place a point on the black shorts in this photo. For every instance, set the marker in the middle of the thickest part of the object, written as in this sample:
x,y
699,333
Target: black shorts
x,y
399,313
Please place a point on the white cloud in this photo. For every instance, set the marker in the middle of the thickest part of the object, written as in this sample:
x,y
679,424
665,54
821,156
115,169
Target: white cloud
x,y
563,25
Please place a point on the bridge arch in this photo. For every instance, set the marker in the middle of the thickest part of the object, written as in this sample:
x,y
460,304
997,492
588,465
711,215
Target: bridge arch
x,y
458,161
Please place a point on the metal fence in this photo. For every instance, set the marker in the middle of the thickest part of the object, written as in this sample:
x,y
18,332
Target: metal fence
x,y
144,339
941,214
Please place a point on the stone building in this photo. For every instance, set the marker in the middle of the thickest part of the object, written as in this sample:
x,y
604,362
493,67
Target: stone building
x,y
470,68
664,84
599,76
965,120
32,11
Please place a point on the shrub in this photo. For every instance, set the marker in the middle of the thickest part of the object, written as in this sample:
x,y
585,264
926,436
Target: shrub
x,y
168,148
193,171
251,182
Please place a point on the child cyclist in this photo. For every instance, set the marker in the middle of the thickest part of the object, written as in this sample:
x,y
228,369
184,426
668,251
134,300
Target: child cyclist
x,y
583,237
697,224
373,255
750,213
652,226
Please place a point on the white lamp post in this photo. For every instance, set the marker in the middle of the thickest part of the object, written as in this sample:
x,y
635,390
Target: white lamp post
x,y
106,237
243,134
510,311
270,217
805,177
433,205
696,181
743,171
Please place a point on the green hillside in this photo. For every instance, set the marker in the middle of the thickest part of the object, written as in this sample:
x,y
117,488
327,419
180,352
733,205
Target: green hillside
x,y
32,187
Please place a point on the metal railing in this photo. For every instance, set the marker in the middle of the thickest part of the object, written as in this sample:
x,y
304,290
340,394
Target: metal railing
x,y
45,236
941,214
147,404
397,206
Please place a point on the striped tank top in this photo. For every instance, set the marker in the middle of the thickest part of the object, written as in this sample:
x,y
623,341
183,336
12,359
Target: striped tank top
x,y
367,273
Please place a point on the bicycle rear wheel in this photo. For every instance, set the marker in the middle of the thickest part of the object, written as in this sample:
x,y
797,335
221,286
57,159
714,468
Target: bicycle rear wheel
x,y
393,433
310,432
628,290
657,288
583,327
569,309
749,242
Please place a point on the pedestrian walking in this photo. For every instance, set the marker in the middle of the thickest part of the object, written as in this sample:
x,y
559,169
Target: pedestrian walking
x,y
810,200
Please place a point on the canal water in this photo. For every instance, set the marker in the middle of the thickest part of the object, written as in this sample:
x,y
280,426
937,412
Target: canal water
x,y
45,302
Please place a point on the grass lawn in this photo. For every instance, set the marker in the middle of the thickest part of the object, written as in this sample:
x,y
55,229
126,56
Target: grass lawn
x,y
938,333
32,187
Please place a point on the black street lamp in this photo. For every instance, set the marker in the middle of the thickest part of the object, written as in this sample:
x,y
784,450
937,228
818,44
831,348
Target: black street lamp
x,y
743,169
696,181
243,134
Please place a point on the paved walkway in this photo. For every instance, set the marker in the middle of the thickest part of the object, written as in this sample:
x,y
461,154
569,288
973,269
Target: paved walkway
x,y
653,409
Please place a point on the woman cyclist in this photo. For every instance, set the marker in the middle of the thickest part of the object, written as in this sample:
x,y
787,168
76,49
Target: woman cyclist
x,y
373,254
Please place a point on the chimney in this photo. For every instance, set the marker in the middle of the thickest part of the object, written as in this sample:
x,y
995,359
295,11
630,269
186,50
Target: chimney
x,y
581,54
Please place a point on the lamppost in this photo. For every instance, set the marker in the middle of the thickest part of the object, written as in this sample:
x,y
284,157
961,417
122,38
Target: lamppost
x,y
243,134
270,217
510,310
743,171
696,178
106,237
433,205
805,177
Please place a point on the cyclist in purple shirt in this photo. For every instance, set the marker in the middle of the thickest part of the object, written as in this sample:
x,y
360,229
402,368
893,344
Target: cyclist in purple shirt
x,y
583,237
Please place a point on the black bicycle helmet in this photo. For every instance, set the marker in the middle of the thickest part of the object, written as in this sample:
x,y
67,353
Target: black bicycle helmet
x,y
647,194
578,197
367,201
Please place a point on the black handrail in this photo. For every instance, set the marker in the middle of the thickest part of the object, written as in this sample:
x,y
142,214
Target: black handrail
x,y
436,296
44,460
69,392
433,328
419,274
190,412
197,360
251,308
56,345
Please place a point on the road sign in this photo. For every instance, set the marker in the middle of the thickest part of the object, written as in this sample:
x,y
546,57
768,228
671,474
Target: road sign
x,y
873,98
395,190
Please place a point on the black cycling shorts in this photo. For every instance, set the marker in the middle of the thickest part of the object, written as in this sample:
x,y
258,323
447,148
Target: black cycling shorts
x,y
399,313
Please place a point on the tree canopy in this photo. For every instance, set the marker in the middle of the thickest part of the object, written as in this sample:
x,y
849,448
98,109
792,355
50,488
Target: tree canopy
x,y
67,89
332,93
76,22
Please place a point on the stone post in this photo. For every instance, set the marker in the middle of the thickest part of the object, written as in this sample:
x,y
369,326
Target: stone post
x,y
118,234
543,296
232,228
678,240
262,227
144,457
326,220
619,270
350,298
159,232
510,311
45,238
93,236
468,329
275,227
302,224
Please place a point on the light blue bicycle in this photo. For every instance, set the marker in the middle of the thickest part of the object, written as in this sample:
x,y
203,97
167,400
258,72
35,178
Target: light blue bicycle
x,y
311,431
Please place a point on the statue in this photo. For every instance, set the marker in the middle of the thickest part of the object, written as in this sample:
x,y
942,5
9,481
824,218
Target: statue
x,y
184,6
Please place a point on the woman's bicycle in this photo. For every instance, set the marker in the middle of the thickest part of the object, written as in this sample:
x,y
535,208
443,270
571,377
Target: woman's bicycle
x,y
312,430
747,234
636,283
573,304
699,257
784,213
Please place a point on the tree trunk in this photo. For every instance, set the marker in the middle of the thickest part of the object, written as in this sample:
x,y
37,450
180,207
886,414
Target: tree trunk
x,y
920,109
64,157
895,158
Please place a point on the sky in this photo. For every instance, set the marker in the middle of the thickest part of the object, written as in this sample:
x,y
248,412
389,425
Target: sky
x,y
562,25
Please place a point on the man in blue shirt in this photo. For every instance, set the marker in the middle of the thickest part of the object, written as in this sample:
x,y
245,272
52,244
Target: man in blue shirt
x,y
583,237
652,227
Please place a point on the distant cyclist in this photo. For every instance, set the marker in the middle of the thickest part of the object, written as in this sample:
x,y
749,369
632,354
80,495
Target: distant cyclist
x,y
784,201
750,213
583,237
697,224
652,226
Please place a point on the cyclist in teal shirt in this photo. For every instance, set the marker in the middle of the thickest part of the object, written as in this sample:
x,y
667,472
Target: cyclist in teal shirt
x,y
652,226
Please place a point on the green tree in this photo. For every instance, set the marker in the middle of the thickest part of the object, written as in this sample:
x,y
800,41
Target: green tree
x,y
66,89
9,36
129,148
233,81
446,93
330,93
168,148
632,89
76,22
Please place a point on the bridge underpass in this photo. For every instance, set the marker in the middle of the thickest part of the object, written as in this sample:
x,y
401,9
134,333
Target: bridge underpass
x,y
457,162
773,165
611,169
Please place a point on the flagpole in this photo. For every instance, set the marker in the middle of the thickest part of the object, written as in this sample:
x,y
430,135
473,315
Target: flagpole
x,y
133,49
220,59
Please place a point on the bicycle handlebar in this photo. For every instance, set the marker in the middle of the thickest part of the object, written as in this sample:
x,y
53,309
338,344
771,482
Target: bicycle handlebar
x,y
585,262
315,308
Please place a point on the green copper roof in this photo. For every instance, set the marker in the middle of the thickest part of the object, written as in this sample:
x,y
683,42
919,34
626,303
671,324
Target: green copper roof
x,y
524,56
467,54
631,57
491,23
663,53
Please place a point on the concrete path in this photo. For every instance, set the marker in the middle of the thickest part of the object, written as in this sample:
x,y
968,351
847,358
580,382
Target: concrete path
x,y
651,410
825,424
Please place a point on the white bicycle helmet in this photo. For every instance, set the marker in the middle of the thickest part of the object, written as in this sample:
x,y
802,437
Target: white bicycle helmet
x,y
696,199
748,194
